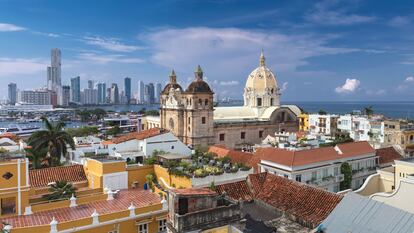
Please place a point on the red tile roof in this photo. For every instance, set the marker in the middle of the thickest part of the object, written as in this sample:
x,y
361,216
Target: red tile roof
x,y
234,155
309,205
303,157
193,191
140,198
138,135
387,155
44,176
355,148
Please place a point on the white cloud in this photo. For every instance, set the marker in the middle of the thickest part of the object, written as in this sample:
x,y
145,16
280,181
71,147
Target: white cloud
x,y
409,79
399,21
329,13
111,44
54,35
5,27
284,86
18,66
350,85
229,83
104,59
221,50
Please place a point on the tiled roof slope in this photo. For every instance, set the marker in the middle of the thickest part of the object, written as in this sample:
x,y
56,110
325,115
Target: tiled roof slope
x,y
138,135
355,148
387,155
236,190
304,157
44,176
235,156
139,198
193,191
307,204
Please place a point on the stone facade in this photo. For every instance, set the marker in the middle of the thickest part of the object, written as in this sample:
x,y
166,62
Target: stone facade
x,y
190,114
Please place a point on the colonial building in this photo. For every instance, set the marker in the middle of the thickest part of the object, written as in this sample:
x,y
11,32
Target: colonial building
x,y
192,117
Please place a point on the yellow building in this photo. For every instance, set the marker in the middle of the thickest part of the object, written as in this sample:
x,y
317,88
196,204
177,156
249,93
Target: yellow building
x,y
303,122
97,207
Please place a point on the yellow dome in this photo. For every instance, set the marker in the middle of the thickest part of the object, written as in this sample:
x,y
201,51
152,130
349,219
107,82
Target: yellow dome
x,y
262,79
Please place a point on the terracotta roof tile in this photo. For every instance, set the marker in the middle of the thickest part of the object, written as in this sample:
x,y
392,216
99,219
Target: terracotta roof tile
x,y
44,176
237,191
387,155
355,148
138,135
303,157
308,204
234,155
193,191
140,198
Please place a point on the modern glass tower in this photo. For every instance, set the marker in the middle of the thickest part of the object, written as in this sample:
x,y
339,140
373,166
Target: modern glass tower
x,y
127,89
75,90
12,93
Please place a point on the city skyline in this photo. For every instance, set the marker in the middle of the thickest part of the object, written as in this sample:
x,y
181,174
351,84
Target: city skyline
x,y
347,48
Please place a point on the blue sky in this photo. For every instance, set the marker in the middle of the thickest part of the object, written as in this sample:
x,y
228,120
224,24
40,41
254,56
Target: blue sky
x,y
319,51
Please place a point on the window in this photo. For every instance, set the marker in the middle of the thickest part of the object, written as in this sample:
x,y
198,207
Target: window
x,y
259,102
143,228
189,129
189,120
162,225
221,137
206,102
260,133
325,172
314,174
243,135
172,147
8,206
203,120
286,176
271,101
298,178
336,171
200,102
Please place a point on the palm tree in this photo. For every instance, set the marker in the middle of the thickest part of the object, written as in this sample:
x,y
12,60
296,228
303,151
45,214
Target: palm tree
x,y
60,190
54,138
36,156
369,110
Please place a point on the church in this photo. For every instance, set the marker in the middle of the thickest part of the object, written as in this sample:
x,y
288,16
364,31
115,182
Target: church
x,y
191,115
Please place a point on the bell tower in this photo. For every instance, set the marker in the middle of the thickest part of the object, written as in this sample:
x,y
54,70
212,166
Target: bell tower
x,y
198,112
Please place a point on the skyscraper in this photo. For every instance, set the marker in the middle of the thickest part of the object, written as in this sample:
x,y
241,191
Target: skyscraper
x,y
127,89
151,93
158,89
147,94
114,94
65,95
75,89
90,84
141,92
101,93
54,73
12,93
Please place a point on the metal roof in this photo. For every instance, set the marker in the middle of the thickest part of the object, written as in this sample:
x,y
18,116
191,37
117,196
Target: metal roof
x,y
356,213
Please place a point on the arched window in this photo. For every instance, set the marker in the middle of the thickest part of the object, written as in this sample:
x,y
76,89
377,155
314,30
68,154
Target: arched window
x,y
171,124
206,102
271,100
259,102
189,120
200,102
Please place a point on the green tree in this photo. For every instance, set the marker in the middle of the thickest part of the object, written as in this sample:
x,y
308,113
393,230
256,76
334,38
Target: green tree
x,y
60,190
368,111
82,131
113,131
322,112
99,113
152,113
54,139
346,170
150,180
36,156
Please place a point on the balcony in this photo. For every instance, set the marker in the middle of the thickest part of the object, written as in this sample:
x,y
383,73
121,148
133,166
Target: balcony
x,y
326,180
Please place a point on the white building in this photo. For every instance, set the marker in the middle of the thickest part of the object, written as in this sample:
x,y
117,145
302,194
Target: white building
x,y
360,128
137,145
38,97
321,166
322,124
84,146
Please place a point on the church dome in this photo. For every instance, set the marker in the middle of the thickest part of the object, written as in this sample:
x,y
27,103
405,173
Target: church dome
x,y
199,85
262,79
172,84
